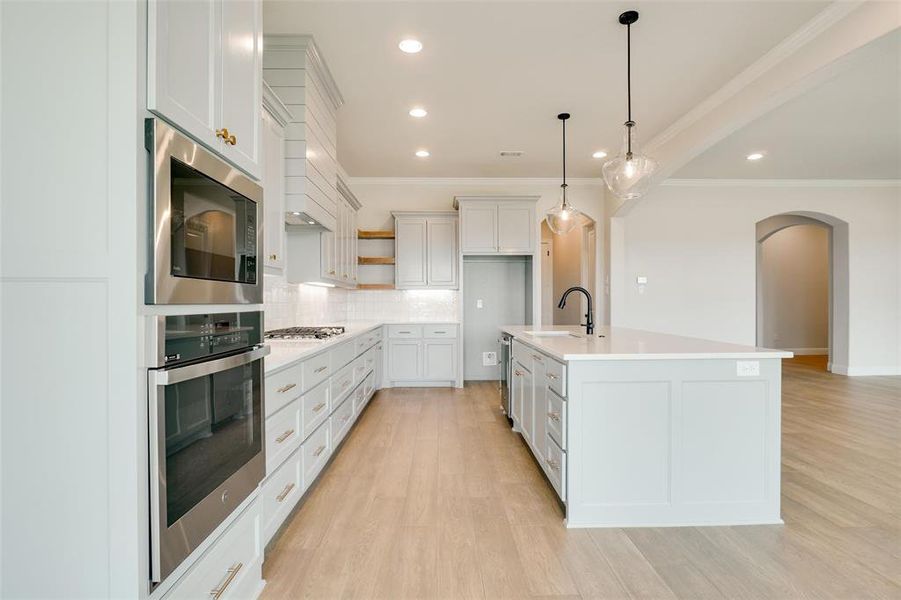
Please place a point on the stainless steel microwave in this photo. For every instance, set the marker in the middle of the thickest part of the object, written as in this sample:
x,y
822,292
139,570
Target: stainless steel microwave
x,y
206,225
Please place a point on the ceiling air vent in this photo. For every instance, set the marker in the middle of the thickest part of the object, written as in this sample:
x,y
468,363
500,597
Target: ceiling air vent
x,y
511,153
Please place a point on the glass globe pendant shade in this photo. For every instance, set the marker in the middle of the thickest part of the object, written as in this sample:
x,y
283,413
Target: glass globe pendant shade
x,y
562,218
628,174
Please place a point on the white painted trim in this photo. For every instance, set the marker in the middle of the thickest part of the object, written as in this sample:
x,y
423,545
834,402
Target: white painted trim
x,y
828,17
794,183
275,107
877,371
345,192
486,181
808,351
307,43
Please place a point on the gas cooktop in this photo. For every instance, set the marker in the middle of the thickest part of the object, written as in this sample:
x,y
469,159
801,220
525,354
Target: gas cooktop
x,y
304,333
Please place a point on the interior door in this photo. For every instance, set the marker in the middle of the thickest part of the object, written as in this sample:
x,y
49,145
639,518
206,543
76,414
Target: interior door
x,y
241,81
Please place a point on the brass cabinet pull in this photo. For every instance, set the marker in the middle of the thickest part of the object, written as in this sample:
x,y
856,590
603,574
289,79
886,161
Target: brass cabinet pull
x,y
554,416
215,593
284,436
319,407
285,388
222,133
281,497
273,256
321,369
319,450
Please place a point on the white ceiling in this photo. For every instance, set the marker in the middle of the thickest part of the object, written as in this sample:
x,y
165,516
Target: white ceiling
x,y
848,127
494,75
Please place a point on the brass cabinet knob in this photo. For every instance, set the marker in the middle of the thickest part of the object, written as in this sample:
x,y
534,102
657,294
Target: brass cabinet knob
x,y
273,256
226,136
231,140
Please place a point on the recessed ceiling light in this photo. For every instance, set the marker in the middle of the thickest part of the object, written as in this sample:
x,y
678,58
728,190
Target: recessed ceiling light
x,y
418,112
422,153
755,156
410,46
599,154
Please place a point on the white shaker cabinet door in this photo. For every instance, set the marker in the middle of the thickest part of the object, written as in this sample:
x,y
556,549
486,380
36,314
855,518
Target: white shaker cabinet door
x,y
439,360
404,360
442,253
242,73
410,260
478,224
182,65
273,192
515,229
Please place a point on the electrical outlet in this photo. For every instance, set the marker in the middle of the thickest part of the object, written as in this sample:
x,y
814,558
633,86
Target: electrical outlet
x,y
489,359
479,303
747,368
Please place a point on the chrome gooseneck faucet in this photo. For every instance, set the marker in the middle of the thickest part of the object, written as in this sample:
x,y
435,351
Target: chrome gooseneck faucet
x,y
589,319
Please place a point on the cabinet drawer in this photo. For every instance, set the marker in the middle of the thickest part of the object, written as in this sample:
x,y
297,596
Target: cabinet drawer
x,y
283,431
556,418
342,383
283,387
555,467
556,376
314,408
378,334
359,397
405,331
359,366
316,369
228,564
315,451
280,493
364,342
369,360
341,420
522,353
440,331
368,387
343,354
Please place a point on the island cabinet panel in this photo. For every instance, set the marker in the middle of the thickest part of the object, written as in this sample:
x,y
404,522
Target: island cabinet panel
x,y
672,442
539,409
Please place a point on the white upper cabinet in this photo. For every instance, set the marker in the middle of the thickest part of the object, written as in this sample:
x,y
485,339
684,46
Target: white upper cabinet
x,y
205,73
410,252
242,77
274,118
426,250
492,225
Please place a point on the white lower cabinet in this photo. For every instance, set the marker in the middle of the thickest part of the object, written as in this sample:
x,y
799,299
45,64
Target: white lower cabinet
x,y
280,494
341,420
283,433
554,463
426,354
231,568
316,451
315,407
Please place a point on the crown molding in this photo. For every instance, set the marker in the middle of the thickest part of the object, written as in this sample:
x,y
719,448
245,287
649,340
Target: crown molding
x,y
791,183
347,194
475,181
275,107
825,19
316,63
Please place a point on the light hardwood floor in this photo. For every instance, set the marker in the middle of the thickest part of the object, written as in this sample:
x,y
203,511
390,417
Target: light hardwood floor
x,y
432,496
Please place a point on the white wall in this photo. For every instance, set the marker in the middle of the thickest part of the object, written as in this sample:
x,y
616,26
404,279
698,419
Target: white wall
x,y
380,196
695,241
567,256
794,291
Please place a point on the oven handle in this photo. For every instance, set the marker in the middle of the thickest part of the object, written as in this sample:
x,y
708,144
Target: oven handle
x,y
179,374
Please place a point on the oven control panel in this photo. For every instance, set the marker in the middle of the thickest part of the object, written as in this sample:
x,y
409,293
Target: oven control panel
x,y
192,337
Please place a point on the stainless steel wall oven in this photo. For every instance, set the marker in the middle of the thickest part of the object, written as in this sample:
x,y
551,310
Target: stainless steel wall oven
x,y
206,225
206,427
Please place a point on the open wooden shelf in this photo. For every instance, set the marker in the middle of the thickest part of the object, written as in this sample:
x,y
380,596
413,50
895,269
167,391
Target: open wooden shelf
x,y
375,286
375,260
374,234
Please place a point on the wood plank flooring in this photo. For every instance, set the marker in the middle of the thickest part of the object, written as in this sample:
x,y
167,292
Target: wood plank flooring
x,y
432,496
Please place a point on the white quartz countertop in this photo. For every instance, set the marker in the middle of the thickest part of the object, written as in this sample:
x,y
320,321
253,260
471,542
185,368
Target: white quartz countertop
x,y
287,352
620,343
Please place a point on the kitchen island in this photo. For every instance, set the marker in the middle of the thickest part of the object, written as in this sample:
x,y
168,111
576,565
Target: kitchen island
x,y
635,428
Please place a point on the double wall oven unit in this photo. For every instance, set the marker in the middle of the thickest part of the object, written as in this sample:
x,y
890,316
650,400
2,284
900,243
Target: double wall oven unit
x,y
206,225
206,427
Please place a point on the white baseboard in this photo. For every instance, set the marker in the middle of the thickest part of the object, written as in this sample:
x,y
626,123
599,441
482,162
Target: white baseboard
x,y
878,371
808,351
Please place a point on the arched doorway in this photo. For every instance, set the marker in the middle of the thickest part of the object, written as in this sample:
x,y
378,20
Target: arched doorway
x,y
567,260
837,241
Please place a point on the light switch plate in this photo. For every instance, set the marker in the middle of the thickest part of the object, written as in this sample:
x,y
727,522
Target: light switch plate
x,y
747,368
489,359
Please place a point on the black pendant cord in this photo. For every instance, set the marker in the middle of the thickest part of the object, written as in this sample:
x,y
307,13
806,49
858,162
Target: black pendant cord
x,y
627,19
563,117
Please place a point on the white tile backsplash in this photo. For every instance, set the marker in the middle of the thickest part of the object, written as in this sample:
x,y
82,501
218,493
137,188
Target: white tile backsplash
x,y
291,305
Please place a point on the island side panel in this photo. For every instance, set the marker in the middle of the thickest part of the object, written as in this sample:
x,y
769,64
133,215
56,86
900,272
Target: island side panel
x,y
673,443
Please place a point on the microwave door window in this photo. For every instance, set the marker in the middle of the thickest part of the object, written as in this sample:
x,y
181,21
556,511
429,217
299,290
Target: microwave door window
x,y
213,229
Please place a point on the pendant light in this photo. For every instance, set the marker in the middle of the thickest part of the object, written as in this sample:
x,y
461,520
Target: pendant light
x,y
628,174
562,218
